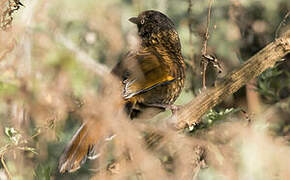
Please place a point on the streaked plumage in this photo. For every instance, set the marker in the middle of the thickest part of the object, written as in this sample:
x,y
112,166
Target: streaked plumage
x,y
152,78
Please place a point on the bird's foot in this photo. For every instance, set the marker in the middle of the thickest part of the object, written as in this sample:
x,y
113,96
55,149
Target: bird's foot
x,y
172,121
172,107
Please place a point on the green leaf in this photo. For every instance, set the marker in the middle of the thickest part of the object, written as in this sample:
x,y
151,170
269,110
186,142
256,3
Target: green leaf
x,y
13,135
43,172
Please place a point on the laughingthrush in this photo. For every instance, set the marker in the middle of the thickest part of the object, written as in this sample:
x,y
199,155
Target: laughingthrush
x,y
151,77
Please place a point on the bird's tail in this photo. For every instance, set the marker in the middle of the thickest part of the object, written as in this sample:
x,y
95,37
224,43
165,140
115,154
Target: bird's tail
x,y
84,145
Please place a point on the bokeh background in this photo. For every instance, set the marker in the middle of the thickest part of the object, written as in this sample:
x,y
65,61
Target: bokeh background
x,y
44,79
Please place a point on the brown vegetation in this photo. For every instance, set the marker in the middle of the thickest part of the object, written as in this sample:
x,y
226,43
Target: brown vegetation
x,y
55,58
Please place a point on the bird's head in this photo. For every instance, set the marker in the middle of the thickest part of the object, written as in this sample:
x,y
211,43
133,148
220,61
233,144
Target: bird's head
x,y
151,21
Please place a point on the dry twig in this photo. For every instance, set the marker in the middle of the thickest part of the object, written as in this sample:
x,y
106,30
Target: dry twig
x,y
5,167
204,60
206,36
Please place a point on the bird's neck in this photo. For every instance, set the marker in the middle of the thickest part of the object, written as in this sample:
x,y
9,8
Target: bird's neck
x,y
167,45
165,41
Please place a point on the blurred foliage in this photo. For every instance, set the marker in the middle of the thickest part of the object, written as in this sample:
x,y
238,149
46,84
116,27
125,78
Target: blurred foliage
x,y
7,89
274,84
238,30
213,117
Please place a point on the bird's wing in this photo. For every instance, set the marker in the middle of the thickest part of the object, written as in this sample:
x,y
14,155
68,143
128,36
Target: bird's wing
x,y
142,71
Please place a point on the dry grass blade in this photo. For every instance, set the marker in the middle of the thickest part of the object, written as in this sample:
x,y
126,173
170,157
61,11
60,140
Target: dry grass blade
x,y
67,75
5,167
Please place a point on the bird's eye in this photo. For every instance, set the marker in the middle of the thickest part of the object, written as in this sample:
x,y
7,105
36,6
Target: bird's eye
x,y
142,21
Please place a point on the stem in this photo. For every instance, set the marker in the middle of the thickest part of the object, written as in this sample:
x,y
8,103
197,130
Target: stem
x,y
5,167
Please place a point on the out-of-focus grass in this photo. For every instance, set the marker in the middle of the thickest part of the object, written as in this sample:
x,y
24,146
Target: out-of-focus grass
x,y
41,80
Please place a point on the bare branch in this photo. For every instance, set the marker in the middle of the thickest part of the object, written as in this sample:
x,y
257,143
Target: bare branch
x,y
266,58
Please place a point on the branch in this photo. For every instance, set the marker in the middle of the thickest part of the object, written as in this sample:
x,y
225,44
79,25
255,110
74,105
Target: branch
x,y
83,57
5,167
266,58
204,61
206,35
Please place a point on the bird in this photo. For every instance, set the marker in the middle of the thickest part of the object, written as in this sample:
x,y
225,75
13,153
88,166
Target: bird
x,y
151,76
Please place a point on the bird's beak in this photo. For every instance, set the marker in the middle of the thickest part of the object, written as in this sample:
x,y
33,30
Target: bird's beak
x,y
134,20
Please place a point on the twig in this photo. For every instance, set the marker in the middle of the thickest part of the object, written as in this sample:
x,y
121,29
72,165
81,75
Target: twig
x,y
82,56
246,116
192,112
49,125
189,12
282,23
206,36
204,61
190,62
5,167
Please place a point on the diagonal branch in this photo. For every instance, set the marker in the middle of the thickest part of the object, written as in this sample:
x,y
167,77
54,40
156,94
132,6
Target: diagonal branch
x,y
83,57
266,58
